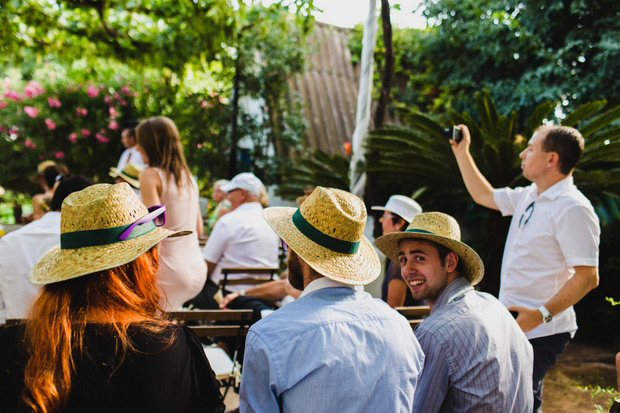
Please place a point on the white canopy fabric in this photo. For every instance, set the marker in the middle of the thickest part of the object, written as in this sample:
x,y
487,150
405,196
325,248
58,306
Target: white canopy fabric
x,y
364,100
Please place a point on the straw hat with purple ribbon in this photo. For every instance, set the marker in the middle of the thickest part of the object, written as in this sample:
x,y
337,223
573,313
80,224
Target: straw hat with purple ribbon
x,y
101,227
442,229
327,232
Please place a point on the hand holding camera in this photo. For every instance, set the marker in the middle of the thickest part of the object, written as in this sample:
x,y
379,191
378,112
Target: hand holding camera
x,y
454,133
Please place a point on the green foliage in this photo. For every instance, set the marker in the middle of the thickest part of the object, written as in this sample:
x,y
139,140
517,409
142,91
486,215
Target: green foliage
x,y
524,52
155,33
317,168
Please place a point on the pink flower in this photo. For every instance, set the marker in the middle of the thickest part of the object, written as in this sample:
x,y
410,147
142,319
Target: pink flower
x,y
54,103
199,145
93,92
7,82
3,104
107,99
101,138
102,131
14,96
3,129
125,90
33,89
59,154
30,111
123,102
113,125
85,132
116,96
73,138
113,113
30,144
50,124
81,112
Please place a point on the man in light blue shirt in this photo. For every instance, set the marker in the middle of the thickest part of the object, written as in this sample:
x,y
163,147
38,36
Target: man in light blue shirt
x,y
335,349
477,357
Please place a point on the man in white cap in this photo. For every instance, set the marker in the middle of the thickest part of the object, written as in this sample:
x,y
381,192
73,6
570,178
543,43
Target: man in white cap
x,y
241,238
334,349
477,357
398,213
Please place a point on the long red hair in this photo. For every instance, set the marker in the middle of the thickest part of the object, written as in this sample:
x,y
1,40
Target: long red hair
x,y
58,318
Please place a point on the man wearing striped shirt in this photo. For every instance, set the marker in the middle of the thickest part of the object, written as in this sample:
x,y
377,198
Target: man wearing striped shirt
x,y
476,357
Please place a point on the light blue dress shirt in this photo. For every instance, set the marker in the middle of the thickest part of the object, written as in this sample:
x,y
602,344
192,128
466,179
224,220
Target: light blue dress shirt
x,y
332,350
477,357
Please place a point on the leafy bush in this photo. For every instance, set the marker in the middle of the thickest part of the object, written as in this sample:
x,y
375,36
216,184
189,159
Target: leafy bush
x,y
51,116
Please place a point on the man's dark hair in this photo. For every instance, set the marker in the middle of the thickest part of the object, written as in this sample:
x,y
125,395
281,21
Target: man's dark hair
x,y
68,185
130,127
396,220
443,252
568,143
51,172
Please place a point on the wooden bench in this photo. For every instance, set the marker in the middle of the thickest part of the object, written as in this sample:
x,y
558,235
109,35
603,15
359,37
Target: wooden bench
x,y
414,314
245,281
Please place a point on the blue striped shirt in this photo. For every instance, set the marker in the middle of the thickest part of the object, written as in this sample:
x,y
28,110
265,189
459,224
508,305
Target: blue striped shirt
x,y
477,357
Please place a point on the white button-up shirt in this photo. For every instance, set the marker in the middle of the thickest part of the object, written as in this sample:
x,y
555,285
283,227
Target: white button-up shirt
x,y
549,234
131,155
19,251
241,238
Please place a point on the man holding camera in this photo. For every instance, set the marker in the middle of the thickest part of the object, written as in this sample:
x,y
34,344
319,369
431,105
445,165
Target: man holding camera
x,y
550,259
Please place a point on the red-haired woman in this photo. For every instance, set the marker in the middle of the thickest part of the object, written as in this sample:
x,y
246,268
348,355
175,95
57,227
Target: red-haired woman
x,y
95,340
168,181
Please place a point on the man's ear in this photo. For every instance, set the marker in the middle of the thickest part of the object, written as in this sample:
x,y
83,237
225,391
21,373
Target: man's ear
x,y
552,159
451,261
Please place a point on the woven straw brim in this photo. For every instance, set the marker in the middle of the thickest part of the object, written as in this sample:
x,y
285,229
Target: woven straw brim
x,y
115,173
360,268
60,265
473,267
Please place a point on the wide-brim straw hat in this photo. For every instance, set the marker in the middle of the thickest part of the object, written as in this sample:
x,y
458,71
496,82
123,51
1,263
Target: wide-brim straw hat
x,y
96,215
327,232
403,206
129,173
442,229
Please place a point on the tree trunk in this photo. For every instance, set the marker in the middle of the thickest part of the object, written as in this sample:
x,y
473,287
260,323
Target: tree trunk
x,y
232,160
387,77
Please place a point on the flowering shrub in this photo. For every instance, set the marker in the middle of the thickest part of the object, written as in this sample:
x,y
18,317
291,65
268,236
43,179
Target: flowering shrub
x,y
55,118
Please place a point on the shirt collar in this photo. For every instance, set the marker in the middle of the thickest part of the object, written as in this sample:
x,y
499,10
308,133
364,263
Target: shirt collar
x,y
321,283
557,189
249,206
453,290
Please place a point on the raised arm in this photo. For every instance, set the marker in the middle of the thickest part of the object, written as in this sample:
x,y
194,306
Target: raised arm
x,y
477,185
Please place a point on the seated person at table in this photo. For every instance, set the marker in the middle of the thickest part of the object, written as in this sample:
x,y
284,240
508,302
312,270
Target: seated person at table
x,y
241,238
21,249
477,357
95,340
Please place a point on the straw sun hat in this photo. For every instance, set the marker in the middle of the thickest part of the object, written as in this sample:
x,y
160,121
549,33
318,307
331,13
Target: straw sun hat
x,y
129,173
327,232
442,229
91,222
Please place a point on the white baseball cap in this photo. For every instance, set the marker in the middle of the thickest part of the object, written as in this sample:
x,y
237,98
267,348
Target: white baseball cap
x,y
244,180
401,205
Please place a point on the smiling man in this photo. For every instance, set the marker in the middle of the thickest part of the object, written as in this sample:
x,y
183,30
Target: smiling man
x,y
551,255
477,358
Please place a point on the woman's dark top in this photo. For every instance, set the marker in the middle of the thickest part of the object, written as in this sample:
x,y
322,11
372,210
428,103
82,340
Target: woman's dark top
x,y
155,378
392,271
